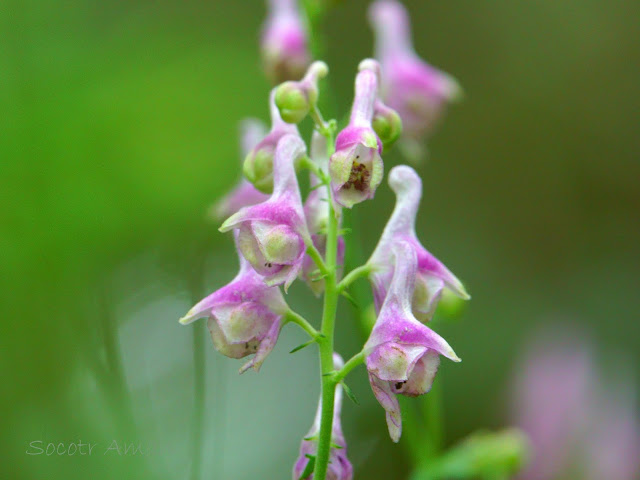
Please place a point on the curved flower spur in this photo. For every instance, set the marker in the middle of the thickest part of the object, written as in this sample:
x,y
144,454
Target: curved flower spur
x,y
340,467
244,193
244,316
273,235
402,354
432,276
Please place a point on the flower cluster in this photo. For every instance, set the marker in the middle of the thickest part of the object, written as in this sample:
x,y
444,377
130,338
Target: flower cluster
x,y
279,238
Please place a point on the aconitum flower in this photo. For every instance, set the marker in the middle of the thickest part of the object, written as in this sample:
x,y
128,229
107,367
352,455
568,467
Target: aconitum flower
x,y
356,167
284,44
432,276
258,164
244,316
402,354
244,193
273,235
339,466
412,87
317,215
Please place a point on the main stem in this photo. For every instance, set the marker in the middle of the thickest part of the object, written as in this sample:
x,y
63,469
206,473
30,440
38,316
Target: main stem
x,y
326,349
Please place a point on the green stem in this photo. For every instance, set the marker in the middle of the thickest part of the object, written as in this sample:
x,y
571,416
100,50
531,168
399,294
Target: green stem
x,y
352,363
299,320
326,349
315,255
355,274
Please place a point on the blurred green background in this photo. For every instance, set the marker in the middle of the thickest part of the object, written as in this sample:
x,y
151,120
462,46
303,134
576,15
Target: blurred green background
x,y
118,129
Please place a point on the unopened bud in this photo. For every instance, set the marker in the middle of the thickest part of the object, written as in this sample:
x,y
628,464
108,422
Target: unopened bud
x,y
295,99
387,124
293,102
258,168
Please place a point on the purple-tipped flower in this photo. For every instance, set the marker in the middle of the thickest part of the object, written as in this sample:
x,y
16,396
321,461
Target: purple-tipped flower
x,y
317,215
244,316
258,164
403,354
415,89
295,99
339,466
432,276
284,45
244,193
273,235
356,167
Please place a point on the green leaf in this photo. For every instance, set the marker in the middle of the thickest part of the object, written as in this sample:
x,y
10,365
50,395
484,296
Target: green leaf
x,y
305,344
349,393
308,470
352,300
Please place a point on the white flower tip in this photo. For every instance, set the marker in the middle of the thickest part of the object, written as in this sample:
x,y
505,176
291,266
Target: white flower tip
x,y
187,319
453,357
453,90
370,64
458,289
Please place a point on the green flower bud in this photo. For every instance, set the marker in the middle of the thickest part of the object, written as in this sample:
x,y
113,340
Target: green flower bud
x,y
295,99
258,168
294,102
387,124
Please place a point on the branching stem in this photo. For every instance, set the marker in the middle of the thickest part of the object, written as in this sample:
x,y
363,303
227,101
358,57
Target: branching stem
x,y
302,322
326,345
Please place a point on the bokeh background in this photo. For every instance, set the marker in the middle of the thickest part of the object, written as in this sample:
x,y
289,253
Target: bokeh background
x,y
118,129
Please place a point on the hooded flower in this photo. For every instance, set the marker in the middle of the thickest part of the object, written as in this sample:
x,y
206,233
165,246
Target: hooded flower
x,y
284,45
244,316
412,87
295,99
244,193
432,276
356,167
273,234
317,214
402,354
258,164
339,466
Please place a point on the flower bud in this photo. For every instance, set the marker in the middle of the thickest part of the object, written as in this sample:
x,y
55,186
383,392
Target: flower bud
x,y
295,99
284,44
356,167
258,164
387,124
244,193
